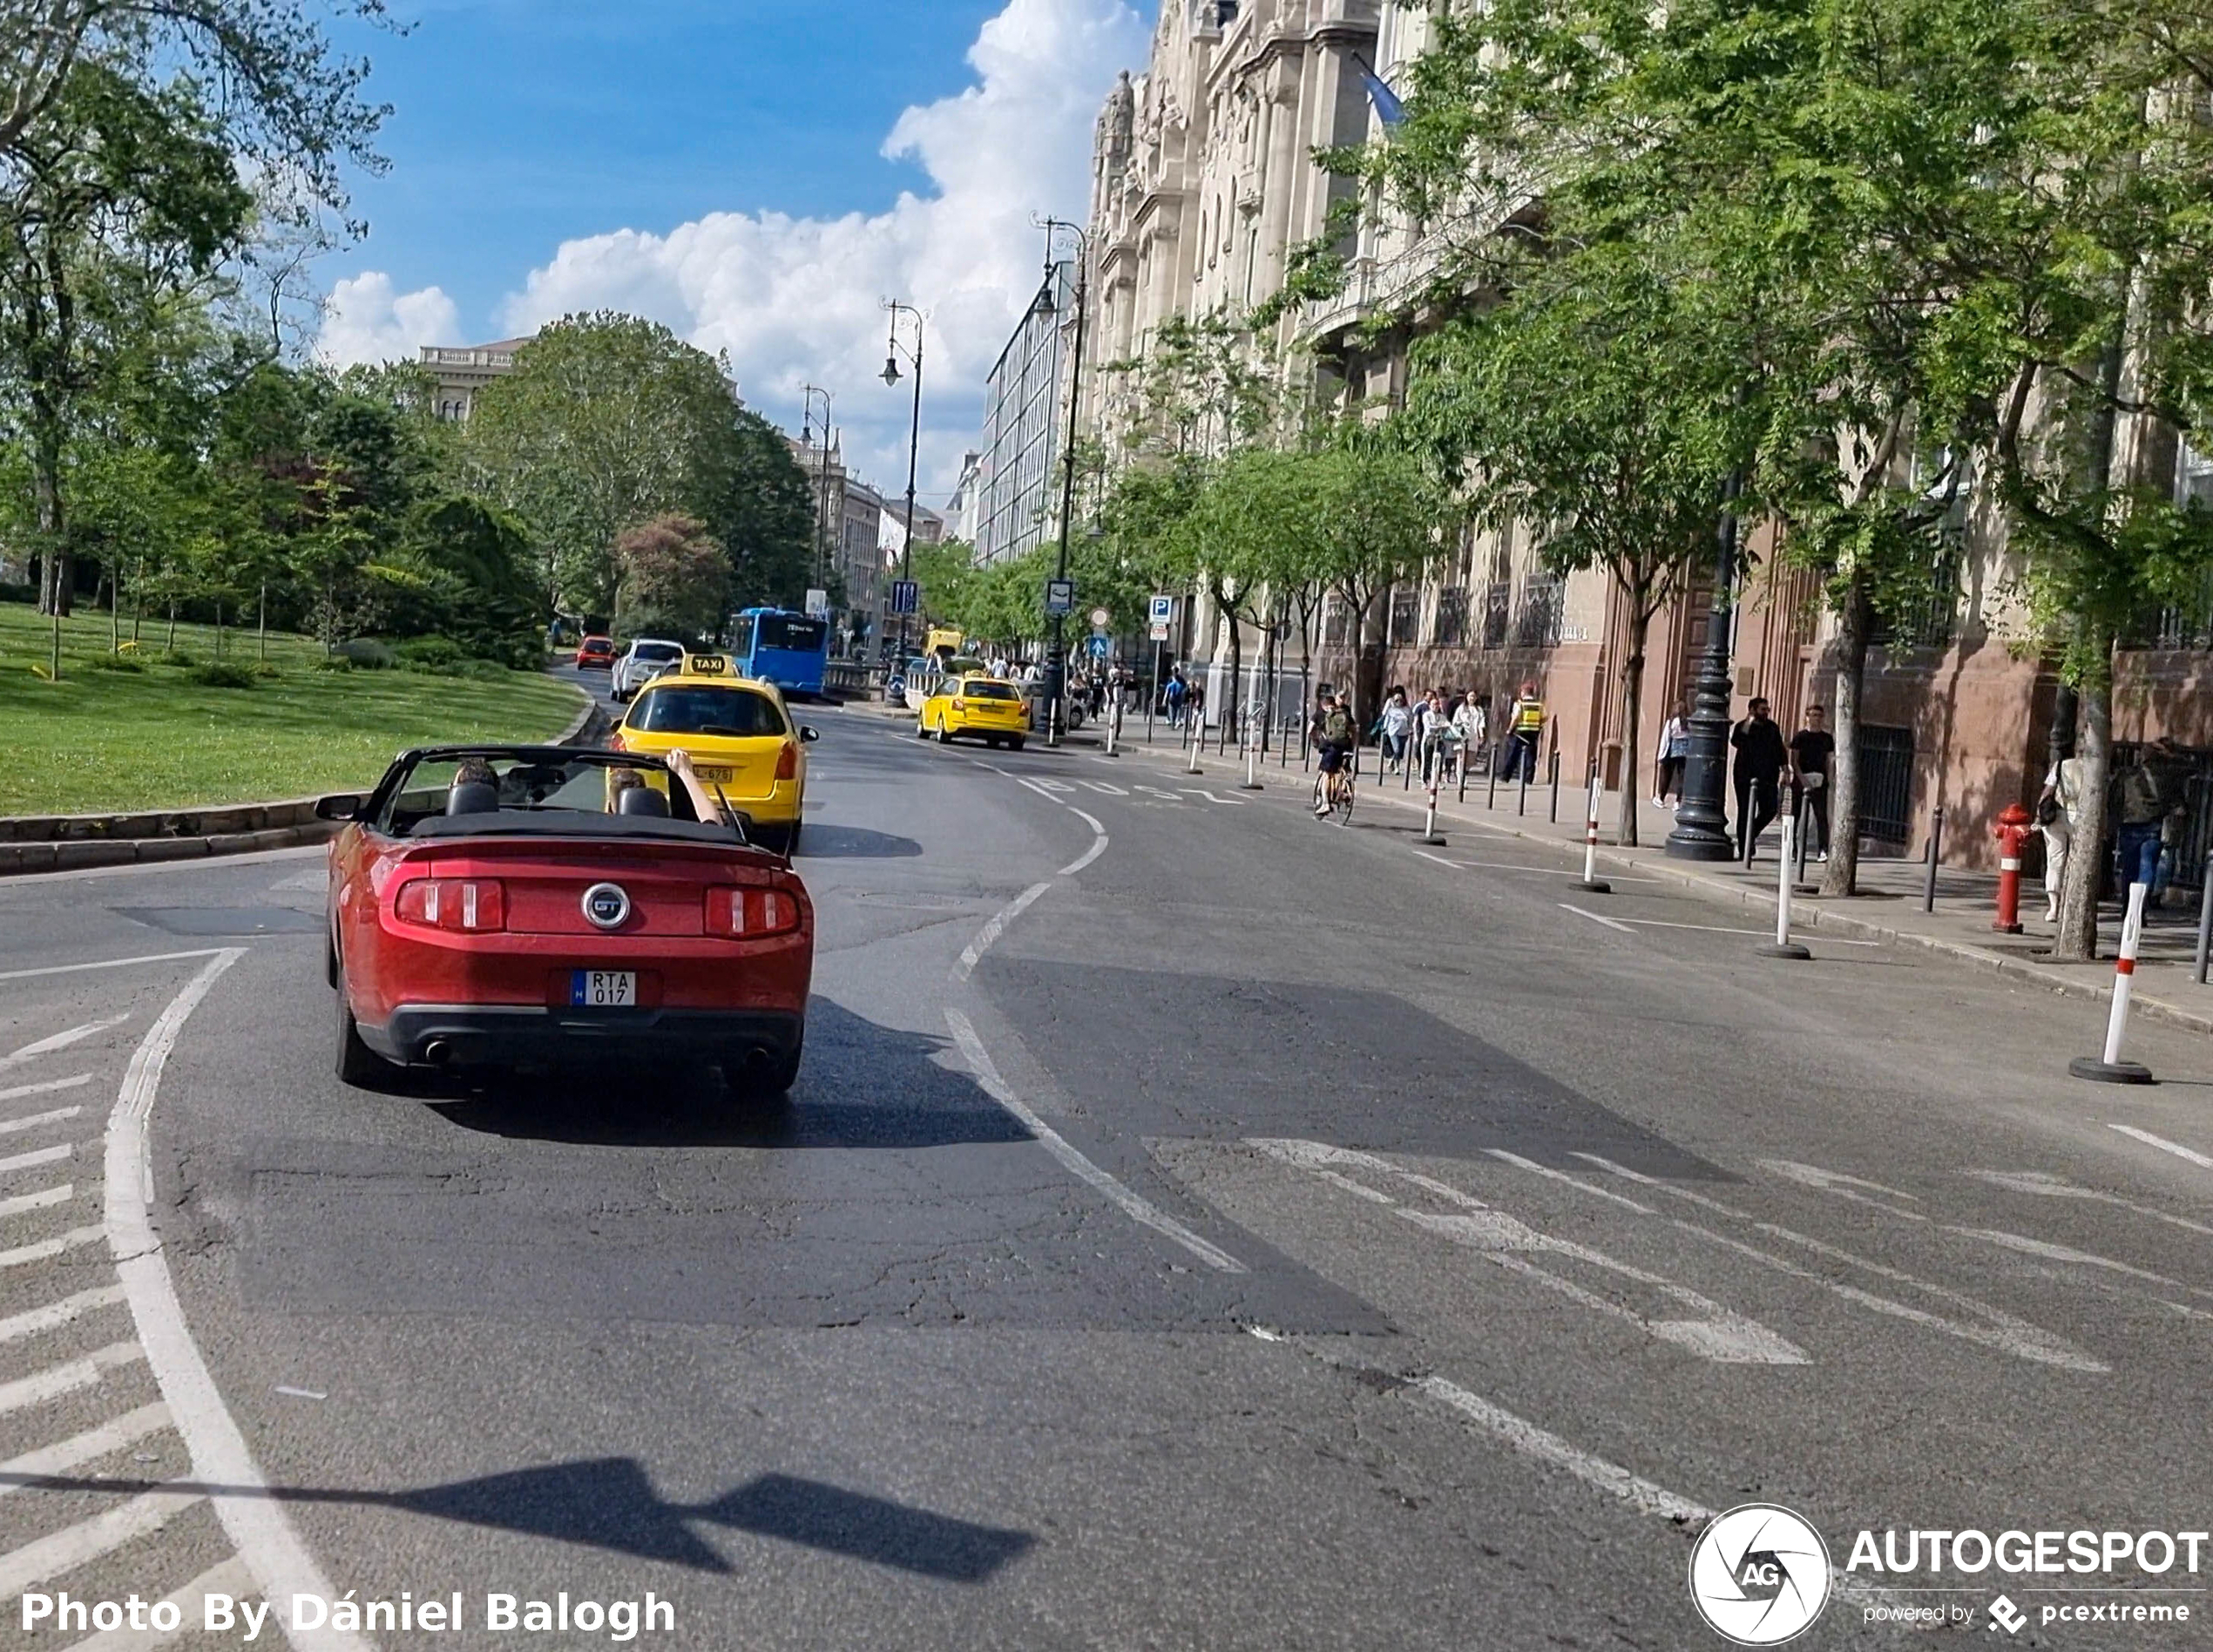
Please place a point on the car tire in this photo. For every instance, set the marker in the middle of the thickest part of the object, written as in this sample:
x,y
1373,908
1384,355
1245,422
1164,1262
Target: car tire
x,y
1016,742
791,839
358,1066
945,735
922,729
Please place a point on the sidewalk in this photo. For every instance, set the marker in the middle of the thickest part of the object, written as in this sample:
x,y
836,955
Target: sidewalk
x,y
1888,906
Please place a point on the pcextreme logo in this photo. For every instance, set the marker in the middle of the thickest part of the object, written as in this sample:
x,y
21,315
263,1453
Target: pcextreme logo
x,y
1759,1575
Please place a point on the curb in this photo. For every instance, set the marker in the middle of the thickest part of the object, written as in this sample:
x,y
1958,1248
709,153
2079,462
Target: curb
x,y
34,843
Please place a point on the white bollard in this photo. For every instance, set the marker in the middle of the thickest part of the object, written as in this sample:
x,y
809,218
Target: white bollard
x,y
2111,1069
1251,783
1114,726
1431,836
1786,875
1198,738
1591,882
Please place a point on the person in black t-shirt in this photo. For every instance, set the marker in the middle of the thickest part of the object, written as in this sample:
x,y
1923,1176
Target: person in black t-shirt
x,y
1761,759
1813,752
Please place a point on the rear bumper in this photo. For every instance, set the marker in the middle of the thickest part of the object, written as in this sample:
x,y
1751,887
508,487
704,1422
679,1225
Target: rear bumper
x,y
475,1035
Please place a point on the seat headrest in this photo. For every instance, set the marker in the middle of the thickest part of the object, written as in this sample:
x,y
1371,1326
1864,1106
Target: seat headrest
x,y
472,797
642,800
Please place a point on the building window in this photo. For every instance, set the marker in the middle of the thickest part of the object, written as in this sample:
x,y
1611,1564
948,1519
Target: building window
x,y
1451,629
1498,614
2192,476
1536,623
1405,617
1337,623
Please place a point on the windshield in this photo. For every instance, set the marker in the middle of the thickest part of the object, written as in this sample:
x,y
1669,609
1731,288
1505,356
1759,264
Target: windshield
x,y
691,708
438,788
656,651
982,688
789,631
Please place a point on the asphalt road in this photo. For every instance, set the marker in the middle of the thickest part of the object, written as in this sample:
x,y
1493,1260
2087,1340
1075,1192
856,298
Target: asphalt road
x,y
1268,1235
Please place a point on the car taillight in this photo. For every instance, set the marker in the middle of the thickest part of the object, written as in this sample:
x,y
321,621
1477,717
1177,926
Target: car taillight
x,y
614,741
751,914
470,905
787,762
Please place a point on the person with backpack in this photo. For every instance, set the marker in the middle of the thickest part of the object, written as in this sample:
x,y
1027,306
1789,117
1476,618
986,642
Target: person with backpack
x,y
1334,736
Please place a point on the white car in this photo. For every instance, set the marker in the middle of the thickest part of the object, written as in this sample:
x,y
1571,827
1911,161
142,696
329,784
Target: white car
x,y
641,662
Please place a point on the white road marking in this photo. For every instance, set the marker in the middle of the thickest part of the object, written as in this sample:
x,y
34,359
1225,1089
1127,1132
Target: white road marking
x,y
110,964
2011,1335
257,1524
2051,1252
75,1546
1591,1188
19,1473
1540,872
68,1377
1844,1187
46,1248
1102,786
1612,923
1137,1208
55,1315
1719,929
2164,1145
1723,1335
1097,846
44,1199
41,1155
45,1087
59,1041
1531,1441
39,1120
1234,802
1440,859
972,954
230,1578
1154,791
2039,1185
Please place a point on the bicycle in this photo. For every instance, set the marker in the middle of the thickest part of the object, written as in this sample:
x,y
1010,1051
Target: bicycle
x,y
1334,794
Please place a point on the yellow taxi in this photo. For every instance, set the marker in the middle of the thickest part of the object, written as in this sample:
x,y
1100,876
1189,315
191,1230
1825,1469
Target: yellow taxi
x,y
986,707
740,736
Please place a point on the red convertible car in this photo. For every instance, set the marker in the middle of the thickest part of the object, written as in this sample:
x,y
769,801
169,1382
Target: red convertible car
x,y
494,907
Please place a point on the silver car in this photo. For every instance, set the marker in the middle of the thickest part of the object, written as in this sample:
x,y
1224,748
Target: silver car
x,y
641,662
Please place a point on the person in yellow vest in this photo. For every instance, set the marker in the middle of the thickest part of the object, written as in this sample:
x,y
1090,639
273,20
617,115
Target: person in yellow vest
x,y
1525,724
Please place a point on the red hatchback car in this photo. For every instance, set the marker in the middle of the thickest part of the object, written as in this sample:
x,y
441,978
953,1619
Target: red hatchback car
x,y
492,907
596,653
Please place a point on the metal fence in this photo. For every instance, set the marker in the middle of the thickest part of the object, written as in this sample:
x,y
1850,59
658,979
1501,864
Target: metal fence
x,y
1886,784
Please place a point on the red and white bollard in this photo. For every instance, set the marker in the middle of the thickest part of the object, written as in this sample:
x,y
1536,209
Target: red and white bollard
x,y
2111,1069
2013,827
1251,781
1591,883
1431,836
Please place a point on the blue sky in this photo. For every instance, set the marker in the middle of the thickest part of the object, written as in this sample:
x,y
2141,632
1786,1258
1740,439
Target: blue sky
x,y
724,167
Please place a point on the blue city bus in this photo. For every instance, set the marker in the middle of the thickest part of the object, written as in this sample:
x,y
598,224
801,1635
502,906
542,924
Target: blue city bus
x,y
773,645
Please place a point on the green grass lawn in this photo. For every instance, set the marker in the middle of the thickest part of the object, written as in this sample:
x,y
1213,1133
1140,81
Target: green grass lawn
x,y
102,740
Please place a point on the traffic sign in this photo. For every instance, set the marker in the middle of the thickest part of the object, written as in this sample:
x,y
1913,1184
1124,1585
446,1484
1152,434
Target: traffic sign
x,y
1100,618
1161,611
818,604
1159,633
1060,597
1100,647
906,596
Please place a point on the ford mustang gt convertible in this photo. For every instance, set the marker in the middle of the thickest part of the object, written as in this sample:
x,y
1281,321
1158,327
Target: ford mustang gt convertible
x,y
494,907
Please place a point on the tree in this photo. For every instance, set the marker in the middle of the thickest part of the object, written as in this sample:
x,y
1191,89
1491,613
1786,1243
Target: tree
x,y
674,576
1379,510
1252,534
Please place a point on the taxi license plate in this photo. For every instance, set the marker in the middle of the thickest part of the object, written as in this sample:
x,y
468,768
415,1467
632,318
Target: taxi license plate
x,y
603,989
713,776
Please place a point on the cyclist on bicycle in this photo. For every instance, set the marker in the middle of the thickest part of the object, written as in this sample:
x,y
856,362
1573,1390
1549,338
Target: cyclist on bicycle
x,y
1334,734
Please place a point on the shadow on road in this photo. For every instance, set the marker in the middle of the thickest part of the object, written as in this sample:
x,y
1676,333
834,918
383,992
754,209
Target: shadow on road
x,y
862,1086
854,843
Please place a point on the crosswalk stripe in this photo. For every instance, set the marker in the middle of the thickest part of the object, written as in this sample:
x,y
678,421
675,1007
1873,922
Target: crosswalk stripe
x,y
72,1240
37,1156
60,1040
41,1386
231,1578
59,1115
75,1546
46,1087
55,1315
90,1446
46,1199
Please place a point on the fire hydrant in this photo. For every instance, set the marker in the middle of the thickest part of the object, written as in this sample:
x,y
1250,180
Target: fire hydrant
x,y
2014,824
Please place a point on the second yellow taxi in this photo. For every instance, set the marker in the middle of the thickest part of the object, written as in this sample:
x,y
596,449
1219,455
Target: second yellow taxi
x,y
740,738
983,707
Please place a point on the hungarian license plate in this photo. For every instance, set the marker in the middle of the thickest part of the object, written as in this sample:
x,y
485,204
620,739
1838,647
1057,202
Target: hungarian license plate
x,y
603,989
713,776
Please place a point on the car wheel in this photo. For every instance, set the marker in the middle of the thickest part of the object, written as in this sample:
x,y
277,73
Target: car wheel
x,y
358,1066
1016,742
922,729
945,735
791,839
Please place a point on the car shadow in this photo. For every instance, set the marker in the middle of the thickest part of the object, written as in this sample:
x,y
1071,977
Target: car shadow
x,y
861,1086
853,842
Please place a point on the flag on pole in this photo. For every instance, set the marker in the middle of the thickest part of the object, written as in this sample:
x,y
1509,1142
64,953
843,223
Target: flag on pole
x,y
1390,109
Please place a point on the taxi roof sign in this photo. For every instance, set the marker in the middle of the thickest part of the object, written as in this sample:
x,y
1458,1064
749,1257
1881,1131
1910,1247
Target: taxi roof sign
x,y
709,665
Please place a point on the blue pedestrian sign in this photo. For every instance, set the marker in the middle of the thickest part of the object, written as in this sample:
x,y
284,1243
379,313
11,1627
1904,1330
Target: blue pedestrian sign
x,y
906,596
1099,646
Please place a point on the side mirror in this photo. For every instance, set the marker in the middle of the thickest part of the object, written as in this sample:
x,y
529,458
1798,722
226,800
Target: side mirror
x,y
344,807
809,735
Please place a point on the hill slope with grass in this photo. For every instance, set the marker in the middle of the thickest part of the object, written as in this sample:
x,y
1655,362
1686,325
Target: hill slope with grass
x,y
153,729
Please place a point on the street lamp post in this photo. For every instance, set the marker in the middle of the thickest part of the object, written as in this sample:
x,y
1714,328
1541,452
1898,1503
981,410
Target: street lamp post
x,y
822,506
1056,667
1701,824
914,441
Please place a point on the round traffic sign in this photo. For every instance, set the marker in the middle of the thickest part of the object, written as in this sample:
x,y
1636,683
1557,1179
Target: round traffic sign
x,y
1100,617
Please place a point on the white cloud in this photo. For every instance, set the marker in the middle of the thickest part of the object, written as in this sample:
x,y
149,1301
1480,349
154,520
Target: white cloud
x,y
798,300
366,322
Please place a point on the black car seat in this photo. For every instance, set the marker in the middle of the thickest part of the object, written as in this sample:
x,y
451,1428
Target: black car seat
x,y
472,797
642,800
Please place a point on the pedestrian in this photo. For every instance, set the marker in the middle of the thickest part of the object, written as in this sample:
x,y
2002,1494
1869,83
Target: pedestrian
x,y
1174,696
1474,721
2148,803
1392,725
1194,702
2058,807
1760,758
1675,751
1526,721
1813,751
1332,732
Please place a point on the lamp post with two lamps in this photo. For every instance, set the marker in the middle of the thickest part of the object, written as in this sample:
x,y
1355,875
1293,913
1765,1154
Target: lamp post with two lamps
x,y
807,393
914,440
1055,669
